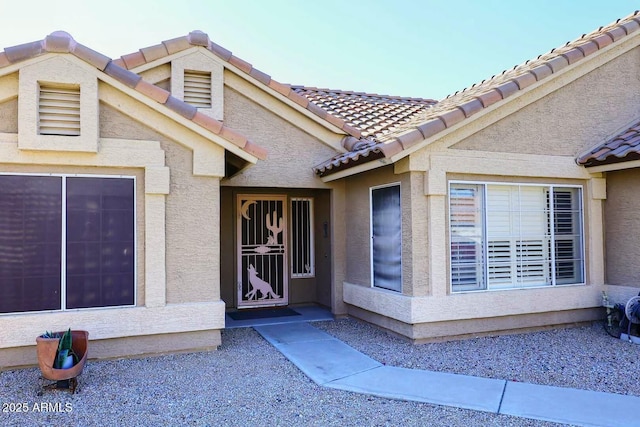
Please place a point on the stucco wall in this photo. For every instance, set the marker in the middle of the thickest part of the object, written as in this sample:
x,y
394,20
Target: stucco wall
x,y
192,209
574,118
622,228
9,116
291,152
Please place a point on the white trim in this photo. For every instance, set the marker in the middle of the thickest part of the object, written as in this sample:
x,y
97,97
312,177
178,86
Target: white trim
x,y
63,255
371,189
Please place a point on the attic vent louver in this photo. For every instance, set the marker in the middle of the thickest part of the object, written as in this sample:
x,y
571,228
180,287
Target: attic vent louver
x,y
59,110
197,88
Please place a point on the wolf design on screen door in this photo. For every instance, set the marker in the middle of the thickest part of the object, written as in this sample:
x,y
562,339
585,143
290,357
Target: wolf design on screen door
x,y
262,250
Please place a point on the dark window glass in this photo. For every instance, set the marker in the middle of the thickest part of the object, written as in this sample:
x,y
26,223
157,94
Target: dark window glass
x,y
100,242
30,243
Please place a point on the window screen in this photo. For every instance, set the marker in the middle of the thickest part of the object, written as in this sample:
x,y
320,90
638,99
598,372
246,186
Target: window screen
x,y
386,237
30,243
100,242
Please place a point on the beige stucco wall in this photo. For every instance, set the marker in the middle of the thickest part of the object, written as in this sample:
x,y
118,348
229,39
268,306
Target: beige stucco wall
x,y
9,116
622,215
574,118
291,152
192,212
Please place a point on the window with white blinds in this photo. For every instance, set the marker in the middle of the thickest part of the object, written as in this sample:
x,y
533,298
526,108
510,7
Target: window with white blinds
x,y
197,88
515,235
59,110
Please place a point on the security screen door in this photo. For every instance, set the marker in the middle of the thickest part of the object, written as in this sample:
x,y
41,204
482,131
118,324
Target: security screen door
x,y
262,251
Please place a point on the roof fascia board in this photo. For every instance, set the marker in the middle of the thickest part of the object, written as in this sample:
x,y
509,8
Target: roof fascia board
x,y
286,109
15,67
613,167
363,167
523,98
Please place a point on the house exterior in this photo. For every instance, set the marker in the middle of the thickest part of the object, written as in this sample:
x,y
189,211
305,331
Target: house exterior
x,y
141,198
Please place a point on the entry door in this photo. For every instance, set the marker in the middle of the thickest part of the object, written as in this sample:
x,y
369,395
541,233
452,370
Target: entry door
x,y
262,252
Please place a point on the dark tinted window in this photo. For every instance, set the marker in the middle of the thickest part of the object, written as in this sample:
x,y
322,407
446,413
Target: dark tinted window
x,y
100,242
30,243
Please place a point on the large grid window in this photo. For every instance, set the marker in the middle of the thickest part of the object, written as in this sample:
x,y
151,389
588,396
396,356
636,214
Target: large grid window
x,y
66,242
515,235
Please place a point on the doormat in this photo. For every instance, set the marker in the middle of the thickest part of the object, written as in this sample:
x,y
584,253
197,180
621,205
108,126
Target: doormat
x,y
263,313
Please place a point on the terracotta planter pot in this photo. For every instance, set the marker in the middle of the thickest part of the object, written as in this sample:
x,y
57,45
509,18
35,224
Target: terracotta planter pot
x,y
47,348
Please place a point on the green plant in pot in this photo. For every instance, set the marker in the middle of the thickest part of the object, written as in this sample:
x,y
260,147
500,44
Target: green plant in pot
x,y
62,356
65,356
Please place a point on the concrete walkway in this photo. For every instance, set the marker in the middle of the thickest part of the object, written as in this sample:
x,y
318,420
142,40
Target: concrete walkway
x,y
331,363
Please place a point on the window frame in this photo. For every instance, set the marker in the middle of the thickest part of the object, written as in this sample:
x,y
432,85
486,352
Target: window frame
x,y
63,227
485,244
371,237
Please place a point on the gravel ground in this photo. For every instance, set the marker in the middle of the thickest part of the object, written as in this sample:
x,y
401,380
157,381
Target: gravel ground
x,y
247,382
583,357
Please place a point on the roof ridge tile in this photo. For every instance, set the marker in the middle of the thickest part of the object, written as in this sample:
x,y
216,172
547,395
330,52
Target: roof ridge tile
x,y
177,44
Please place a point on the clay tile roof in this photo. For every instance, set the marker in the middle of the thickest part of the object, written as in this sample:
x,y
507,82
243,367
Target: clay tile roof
x,y
62,42
621,148
373,115
462,105
199,38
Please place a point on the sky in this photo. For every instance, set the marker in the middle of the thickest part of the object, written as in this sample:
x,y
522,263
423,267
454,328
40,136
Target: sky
x,y
412,48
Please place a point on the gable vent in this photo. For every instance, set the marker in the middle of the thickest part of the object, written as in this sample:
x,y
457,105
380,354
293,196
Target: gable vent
x,y
197,88
59,111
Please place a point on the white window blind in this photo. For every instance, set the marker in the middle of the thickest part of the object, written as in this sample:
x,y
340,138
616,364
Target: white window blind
x,y
59,110
467,261
197,88
517,236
